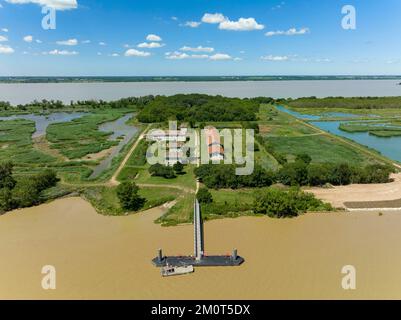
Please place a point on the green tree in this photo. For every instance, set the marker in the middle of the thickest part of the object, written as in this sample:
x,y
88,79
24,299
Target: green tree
x,y
158,170
127,193
204,196
178,168
6,178
6,200
26,194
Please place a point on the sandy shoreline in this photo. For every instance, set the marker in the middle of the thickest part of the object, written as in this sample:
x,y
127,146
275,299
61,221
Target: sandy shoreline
x,y
339,195
98,257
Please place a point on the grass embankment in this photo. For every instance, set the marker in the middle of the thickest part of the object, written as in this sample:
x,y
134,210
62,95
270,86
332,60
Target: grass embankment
x,y
378,129
105,200
136,162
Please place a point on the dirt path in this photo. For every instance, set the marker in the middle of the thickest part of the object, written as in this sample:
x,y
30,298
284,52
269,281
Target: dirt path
x,y
167,186
337,196
113,180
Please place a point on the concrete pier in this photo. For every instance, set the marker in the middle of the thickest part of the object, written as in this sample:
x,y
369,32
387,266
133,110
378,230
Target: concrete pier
x,y
199,259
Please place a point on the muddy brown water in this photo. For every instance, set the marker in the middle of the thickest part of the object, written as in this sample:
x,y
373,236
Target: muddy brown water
x,y
109,257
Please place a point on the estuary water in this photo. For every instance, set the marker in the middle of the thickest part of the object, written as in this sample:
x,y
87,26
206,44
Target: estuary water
x,y
25,93
99,257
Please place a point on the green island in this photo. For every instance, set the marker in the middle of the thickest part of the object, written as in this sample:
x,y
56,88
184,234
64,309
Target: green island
x,y
97,150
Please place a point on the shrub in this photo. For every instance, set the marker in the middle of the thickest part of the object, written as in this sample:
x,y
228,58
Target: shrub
x,y
178,168
127,193
204,196
283,204
158,170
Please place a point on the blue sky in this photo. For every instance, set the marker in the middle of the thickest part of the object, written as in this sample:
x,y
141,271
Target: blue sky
x,y
199,37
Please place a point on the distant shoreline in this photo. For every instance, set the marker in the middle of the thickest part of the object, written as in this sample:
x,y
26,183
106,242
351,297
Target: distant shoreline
x,y
115,79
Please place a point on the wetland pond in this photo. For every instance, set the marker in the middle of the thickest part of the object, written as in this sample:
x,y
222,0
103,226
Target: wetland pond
x,y
120,131
387,146
43,121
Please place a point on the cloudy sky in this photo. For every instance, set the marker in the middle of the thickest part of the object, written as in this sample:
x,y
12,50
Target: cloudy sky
x,y
199,37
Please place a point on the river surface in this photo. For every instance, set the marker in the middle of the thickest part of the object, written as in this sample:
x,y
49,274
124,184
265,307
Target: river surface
x,y
119,129
387,146
43,121
26,93
102,257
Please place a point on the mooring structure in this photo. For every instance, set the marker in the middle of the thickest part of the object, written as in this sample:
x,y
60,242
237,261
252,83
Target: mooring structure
x,y
199,258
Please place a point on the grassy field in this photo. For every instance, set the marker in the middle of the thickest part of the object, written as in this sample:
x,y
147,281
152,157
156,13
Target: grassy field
x,y
185,181
16,144
105,200
289,137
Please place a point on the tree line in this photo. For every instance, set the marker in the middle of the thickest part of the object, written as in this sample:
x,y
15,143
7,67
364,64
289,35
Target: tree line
x,y
199,108
22,192
299,173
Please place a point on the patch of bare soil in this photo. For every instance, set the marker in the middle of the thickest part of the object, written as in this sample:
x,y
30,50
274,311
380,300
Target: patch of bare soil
x,y
342,195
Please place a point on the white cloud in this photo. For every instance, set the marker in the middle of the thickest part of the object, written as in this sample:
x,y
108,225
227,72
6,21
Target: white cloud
x,y
56,4
213,18
150,45
102,43
28,39
153,37
85,41
289,32
243,24
6,49
62,53
275,58
115,55
197,49
192,24
323,60
38,41
176,55
136,53
174,18
220,56
3,39
278,6
69,42
4,29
